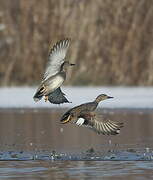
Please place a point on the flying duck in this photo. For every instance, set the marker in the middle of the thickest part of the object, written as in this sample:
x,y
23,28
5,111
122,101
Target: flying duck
x,y
55,75
84,115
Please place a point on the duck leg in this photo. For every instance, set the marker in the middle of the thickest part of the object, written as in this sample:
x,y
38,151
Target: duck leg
x,y
46,98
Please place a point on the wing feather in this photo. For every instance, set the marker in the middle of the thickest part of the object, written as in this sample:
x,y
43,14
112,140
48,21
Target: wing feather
x,y
57,97
56,58
101,126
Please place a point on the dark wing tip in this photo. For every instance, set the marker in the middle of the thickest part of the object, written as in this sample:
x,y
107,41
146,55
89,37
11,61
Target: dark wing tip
x,y
59,44
66,39
114,127
62,43
57,100
57,97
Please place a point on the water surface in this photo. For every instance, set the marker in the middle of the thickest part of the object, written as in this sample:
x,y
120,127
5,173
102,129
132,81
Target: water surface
x,y
34,145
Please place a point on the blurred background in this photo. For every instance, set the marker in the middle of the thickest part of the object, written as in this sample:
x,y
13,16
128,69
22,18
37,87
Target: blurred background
x,y
112,41
112,47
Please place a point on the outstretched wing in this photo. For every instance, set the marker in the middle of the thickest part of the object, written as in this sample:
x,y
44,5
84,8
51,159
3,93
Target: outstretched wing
x,y
57,97
56,58
101,126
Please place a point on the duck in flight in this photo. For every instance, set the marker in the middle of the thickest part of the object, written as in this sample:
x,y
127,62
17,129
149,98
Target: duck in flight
x,y
84,115
55,75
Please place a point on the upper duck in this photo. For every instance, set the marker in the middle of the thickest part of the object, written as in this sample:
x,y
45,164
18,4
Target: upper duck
x,y
55,74
84,115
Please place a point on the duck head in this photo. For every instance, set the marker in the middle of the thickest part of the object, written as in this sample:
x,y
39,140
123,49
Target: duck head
x,y
65,65
102,97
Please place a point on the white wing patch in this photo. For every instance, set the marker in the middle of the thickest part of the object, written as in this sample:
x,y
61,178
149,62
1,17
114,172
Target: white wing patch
x,y
56,58
80,121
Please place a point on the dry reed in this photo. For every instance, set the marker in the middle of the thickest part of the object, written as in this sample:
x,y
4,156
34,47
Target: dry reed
x,y
112,41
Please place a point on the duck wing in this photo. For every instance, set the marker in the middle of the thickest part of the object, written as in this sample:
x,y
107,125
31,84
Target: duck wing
x,y
99,125
56,58
57,97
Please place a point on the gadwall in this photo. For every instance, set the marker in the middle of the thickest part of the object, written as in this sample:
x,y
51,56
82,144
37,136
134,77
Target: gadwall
x,y
55,74
84,115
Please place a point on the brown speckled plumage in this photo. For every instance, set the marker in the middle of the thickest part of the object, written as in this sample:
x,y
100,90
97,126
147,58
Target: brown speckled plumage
x,y
84,115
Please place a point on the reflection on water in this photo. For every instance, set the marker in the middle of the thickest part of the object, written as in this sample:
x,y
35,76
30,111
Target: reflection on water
x,y
32,130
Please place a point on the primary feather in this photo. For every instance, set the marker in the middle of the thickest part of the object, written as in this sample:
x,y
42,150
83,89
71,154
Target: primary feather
x,y
100,125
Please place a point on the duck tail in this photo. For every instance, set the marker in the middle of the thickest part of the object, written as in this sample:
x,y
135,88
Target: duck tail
x,y
38,95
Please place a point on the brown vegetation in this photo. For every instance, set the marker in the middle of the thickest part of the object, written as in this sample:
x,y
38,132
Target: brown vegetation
x,y
112,41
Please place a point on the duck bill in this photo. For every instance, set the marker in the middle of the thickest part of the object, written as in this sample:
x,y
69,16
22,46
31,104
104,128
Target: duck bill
x,y
72,64
109,97
66,120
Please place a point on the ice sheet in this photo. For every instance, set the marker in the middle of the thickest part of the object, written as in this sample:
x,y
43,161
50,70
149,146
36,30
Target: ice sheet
x,y
124,97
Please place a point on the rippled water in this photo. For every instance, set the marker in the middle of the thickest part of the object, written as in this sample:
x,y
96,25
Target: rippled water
x,y
34,145
71,170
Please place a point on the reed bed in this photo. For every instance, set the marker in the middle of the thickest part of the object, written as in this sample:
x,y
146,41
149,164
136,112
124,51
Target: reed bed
x,y
111,41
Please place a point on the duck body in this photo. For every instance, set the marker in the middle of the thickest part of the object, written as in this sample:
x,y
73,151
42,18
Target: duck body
x,y
50,85
55,82
90,106
78,111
